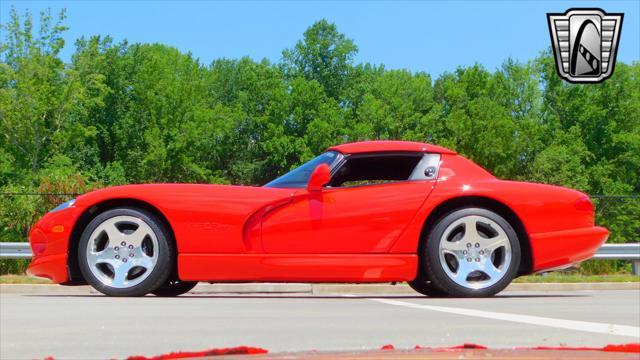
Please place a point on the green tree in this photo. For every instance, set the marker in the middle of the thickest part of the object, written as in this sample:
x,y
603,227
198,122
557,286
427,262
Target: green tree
x,y
39,95
324,55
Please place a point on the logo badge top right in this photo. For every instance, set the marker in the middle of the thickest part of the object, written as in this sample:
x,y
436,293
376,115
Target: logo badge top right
x,y
585,44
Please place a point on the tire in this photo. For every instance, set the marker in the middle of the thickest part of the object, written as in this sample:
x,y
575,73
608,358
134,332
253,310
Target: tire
x,y
470,252
174,288
126,251
425,287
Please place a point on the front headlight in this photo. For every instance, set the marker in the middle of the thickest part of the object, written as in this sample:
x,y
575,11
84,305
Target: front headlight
x,y
64,205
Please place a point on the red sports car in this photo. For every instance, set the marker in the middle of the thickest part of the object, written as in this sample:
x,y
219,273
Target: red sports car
x,y
375,211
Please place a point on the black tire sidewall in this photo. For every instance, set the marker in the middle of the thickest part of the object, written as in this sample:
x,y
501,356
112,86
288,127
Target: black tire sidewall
x,y
437,275
164,264
425,287
174,289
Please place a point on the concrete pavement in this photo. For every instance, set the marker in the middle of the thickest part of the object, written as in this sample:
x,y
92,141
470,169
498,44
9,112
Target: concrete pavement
x,y
316,289
92,326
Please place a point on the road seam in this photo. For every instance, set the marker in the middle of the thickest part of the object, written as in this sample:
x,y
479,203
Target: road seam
x,y
594,327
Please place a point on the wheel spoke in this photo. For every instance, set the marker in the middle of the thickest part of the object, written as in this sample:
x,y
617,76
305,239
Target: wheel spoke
x,y
494,243
120,274
453,246
113,233
491,270
137,236
142,262
464,269
470,231
104,256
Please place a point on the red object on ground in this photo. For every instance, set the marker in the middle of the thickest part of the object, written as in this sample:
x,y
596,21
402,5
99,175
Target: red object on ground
x,y
451,348
573,348
240,350
244,350
470,346
626,348
630,348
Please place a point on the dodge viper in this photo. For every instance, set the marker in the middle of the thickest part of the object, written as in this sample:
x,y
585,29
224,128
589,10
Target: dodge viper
x,y
374,211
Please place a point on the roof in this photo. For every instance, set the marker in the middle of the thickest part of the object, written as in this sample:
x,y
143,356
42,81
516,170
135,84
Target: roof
x,y
389,146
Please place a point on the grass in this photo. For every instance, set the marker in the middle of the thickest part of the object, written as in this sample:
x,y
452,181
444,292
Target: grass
x,y
559,277
555,277
22,279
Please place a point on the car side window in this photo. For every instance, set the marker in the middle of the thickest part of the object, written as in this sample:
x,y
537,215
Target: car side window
x,y
369,169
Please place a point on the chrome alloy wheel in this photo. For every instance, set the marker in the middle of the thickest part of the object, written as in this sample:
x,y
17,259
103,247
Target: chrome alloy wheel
x,y
475,252
122,251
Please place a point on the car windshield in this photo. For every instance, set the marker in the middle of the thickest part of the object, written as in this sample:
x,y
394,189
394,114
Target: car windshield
x,y
299,177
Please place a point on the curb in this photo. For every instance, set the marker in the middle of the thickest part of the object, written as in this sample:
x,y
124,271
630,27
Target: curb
x,y
254,288
51,289
405,289
315,289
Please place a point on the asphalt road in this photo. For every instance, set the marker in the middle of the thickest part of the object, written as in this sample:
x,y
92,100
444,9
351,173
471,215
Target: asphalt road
x,y
94,326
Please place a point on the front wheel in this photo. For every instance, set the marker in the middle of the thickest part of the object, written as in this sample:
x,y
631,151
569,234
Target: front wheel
x,y
126,252
471,252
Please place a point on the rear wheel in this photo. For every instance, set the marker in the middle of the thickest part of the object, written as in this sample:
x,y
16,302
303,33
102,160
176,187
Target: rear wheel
x,y
471,252
425,287
126,252
174,288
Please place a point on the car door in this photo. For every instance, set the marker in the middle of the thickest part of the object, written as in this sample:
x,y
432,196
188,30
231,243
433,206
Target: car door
x,y
368,203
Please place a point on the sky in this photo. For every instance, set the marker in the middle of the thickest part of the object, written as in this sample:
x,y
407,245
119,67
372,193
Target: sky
x,y
428,36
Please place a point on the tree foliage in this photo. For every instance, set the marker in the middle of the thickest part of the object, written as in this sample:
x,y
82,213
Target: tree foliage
x,y
136,113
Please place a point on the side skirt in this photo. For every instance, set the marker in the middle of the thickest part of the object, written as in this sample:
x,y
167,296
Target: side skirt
x,y
297,267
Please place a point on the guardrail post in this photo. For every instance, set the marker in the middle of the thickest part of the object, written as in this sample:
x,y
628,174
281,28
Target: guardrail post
x,y
626,251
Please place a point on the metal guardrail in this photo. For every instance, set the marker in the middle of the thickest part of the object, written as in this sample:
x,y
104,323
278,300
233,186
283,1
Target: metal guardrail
x,y
21,250
629,252
619,252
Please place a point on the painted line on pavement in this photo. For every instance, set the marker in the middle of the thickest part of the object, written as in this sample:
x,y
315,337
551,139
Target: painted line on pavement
x,y
594,327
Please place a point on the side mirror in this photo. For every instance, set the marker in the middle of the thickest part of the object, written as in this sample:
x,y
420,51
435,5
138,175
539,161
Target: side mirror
x,y
319,177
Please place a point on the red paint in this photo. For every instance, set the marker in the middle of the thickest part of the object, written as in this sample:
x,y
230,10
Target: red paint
x,y
626,348
354,220
319,178
584,204
465,346
389,146
240,350
298,268
571,348
470,346
351,234
244,350
52,267
623,348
